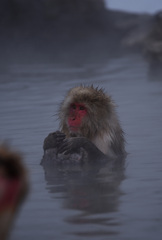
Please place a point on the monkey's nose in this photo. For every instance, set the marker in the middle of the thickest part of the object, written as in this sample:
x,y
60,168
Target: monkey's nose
x,y
72,118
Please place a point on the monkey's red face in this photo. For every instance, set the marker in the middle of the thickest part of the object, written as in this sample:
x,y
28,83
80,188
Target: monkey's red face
x,y
76,114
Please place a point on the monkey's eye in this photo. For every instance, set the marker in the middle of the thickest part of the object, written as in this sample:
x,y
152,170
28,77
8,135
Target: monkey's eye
x,y
73,106
82,108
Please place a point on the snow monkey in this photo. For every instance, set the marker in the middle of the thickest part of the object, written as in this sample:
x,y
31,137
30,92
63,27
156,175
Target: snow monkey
x,y
13,188
89,125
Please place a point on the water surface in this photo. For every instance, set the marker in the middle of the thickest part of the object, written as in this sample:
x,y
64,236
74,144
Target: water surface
x,y
95,203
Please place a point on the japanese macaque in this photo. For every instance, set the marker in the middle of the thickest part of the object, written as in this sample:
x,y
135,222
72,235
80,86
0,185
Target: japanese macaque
x,y
88,126
13,188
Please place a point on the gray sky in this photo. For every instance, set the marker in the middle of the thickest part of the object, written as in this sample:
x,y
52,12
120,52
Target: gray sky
x,y
150,6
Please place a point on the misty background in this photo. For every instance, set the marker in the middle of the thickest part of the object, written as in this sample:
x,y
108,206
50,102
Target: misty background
x,y
143,6
72,30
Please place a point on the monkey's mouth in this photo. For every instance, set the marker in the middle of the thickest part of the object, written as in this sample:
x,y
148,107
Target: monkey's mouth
x,y
73,128
74,131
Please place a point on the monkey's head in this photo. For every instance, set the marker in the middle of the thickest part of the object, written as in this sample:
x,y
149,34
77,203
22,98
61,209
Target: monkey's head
x,y
85,111
11,165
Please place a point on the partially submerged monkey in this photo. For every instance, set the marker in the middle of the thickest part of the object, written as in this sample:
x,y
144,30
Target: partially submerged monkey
x,y
13,188
89,126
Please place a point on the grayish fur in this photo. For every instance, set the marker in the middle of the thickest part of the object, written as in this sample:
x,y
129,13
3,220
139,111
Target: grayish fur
x,y
101,125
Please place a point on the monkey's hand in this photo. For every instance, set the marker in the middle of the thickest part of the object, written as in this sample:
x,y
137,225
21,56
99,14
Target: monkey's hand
x,y
70,145
53,140
73,145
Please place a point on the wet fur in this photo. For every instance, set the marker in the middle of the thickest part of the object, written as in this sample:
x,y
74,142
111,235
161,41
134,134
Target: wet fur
x,y
101,125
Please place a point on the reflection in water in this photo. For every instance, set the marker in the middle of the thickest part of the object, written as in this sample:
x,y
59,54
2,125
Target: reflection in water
x,y
91,190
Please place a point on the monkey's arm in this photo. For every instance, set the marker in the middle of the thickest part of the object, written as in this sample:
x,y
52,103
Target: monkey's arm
x,y
53,140
72,145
